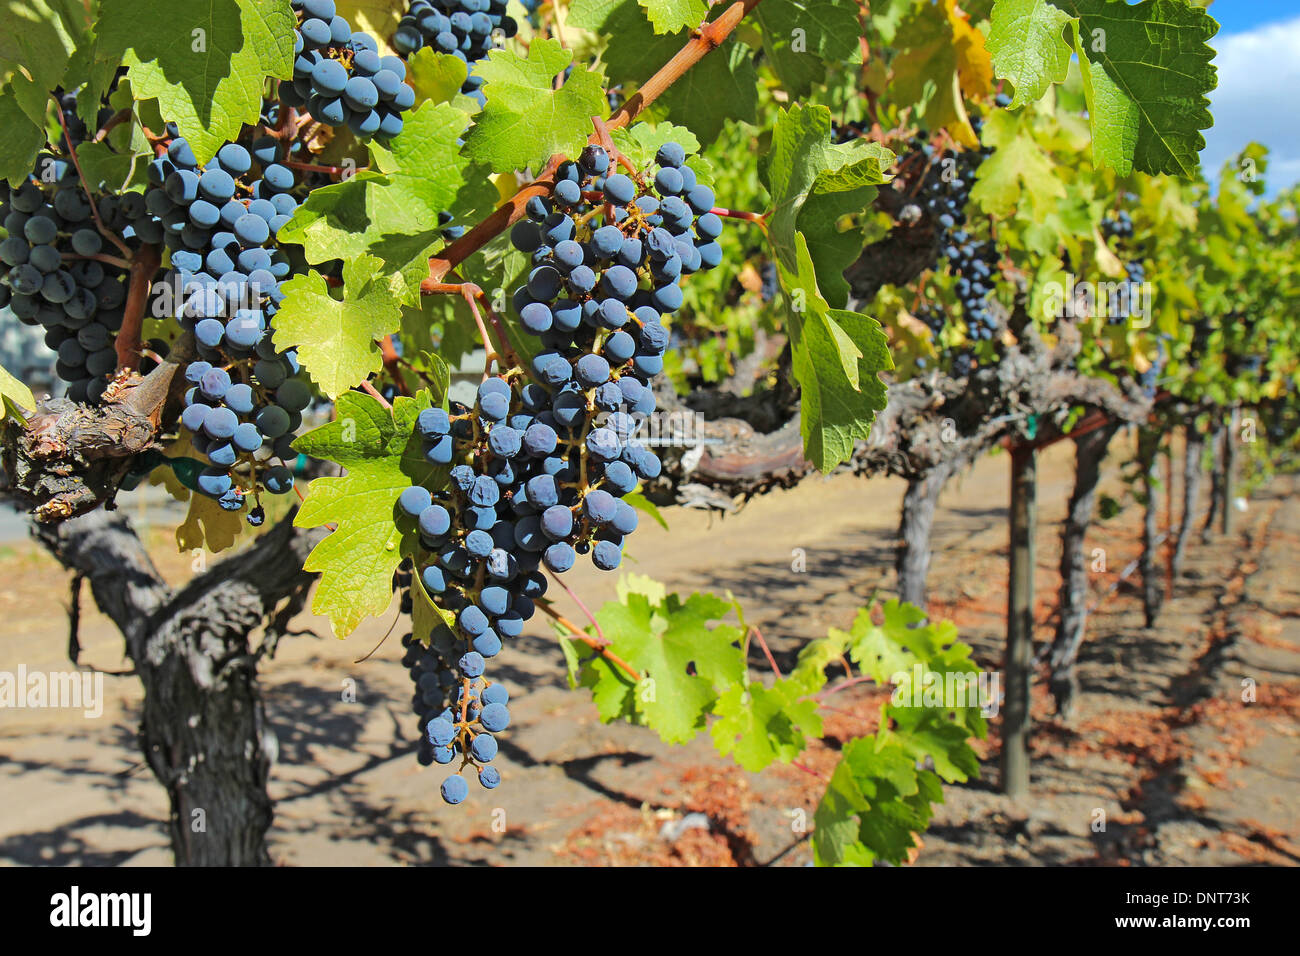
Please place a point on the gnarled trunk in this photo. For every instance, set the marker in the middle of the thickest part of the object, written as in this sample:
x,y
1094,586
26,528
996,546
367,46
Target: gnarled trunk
x,y
203,731
1148,447
1195,448
1089,450
1217,481
914,530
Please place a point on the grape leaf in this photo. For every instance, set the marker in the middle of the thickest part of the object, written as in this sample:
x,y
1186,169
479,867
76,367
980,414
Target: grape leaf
x,y
661,642
393,213
801,36
15,398
1146,72
206,61
802,162
22,140
762,724
836,355
1027,45
336,339
382,456
1017,173
526,120
669,16
875,803
436,77
379,18
37,43
926,71
106,170
209,526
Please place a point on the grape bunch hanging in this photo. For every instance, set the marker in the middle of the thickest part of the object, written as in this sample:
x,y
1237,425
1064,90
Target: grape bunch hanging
x,y
466,29
541,463
340,78
245,401
59,273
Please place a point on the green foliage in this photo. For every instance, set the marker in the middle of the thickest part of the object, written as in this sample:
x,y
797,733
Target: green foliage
x,y
526,120
16,399
336,336
694,676
1146,71
382,456
205,61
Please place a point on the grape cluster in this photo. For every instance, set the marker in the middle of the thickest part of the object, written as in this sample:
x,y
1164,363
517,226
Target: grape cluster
x,y
975,265
948,180
245,401
50,279
462,28
340,78
541,462
1120,228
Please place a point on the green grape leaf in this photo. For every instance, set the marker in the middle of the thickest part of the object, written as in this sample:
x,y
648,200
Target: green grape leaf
x,y
669,16
392,214
877,786
803,163
661,642
1018,174
1146,71
379,18
836,355
22,140
15,398
640,142
526,120
38,41
427,617
206,61
800,37
436,77
762,724
108,171
382,456
1026,41
336,339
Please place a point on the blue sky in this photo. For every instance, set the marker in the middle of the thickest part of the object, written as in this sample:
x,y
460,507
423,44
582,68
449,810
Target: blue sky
x,y
1258,59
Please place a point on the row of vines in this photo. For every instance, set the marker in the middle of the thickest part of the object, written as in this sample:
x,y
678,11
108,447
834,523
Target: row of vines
x,y
257,238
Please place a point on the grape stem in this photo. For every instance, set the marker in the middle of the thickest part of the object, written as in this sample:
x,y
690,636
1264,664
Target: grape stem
x,y
578,601
391,363
144,264
374,393
703,41
600,647
76,163
758,217
766,650
327,170
99,257
116,120
472,294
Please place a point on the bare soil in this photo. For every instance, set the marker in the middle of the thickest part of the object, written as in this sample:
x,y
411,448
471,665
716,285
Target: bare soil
x,y
1184,749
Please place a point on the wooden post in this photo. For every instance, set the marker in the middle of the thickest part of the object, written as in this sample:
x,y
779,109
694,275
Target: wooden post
x,y
1020,622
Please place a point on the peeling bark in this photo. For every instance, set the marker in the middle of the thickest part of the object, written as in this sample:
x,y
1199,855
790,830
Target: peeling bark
x,y
914,530
1148,448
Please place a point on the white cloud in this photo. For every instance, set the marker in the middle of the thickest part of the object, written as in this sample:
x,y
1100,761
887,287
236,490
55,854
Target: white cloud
x,y
1259,85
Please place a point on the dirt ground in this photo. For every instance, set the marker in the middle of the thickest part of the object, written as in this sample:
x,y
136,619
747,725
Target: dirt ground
x,y
1184,749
